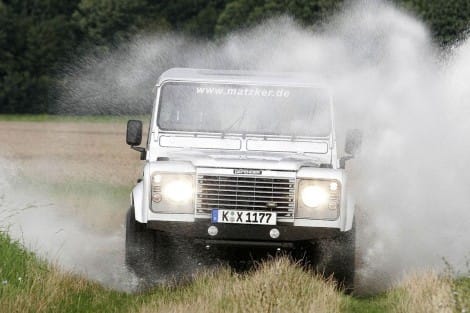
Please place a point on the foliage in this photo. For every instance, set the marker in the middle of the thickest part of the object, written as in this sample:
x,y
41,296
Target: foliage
x,y
34,37
449,20
38,37
244,13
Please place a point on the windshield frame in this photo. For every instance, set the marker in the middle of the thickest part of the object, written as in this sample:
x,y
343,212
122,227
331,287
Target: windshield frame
x,y
247,84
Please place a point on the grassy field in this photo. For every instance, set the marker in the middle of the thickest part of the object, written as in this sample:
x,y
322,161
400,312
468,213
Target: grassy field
x,y
85,166
67,118
32,285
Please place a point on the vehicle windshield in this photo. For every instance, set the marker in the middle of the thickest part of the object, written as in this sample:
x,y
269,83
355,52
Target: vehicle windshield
x,y
244,109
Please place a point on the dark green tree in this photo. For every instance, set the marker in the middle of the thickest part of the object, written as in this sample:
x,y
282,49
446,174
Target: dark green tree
x,y
194,17
244,13
103,22
449,20
35,37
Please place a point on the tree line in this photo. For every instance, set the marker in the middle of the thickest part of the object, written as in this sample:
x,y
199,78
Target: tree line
x,y
37,37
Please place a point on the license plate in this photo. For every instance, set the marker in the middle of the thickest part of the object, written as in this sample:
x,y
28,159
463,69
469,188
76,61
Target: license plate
x,y
243,217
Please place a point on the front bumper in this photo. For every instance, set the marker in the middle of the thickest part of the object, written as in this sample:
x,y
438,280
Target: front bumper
x,y
244,234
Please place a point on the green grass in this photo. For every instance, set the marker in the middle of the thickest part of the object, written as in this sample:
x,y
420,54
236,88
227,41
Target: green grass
x,y
29,284
371,304
69,118
461,293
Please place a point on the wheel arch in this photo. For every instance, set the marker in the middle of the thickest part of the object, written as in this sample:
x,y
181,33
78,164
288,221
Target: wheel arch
x,y
137,197
350,211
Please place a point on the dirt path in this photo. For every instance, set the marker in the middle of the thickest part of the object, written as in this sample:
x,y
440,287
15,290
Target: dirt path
x,y
70,150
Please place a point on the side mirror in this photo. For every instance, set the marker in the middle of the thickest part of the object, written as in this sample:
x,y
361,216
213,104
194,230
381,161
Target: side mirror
x,y
353,142
134,137
352,146
134,132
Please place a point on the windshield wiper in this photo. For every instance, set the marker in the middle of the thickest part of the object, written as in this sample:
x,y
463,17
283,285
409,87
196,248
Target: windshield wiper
x,y
239,118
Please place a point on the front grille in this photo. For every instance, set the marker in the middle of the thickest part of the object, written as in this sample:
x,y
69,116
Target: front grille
x,y
246,193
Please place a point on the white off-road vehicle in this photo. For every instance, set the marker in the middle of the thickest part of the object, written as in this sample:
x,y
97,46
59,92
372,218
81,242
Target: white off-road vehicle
x,y
240,159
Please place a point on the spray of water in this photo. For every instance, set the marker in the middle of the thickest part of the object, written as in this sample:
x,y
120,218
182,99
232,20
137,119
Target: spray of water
x,y
389,80
46,226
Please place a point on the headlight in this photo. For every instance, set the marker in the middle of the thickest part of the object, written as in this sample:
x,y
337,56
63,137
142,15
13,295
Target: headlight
x,y
318,199
172,193
314,196
178,191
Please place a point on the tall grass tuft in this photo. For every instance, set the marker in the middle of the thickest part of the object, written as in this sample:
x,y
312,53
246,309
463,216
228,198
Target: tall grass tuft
x,y
424,292
279,285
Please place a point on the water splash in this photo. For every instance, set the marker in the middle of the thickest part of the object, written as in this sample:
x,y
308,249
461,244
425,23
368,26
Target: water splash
x,y
409,99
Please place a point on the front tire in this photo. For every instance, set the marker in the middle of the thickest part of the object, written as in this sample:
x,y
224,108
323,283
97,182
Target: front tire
x,y
337,257
156,256
140,244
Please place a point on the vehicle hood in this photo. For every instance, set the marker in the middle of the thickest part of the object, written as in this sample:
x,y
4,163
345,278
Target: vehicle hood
x,y
256,160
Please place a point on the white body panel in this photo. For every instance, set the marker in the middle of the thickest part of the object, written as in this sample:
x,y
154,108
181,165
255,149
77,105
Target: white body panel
x,y
199,143
286,146
221,154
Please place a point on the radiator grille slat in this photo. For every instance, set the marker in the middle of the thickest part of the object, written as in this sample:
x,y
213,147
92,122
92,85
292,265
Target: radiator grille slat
x,y
245,193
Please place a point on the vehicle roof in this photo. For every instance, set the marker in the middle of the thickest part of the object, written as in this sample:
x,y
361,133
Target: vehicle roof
x,y
238,77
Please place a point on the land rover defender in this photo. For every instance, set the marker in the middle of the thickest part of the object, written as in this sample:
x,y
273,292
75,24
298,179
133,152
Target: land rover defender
x,y
240,159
